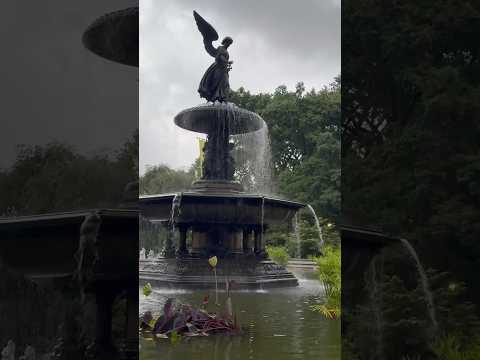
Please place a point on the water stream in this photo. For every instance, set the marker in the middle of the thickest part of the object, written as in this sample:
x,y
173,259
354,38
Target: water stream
x,y
425,284
296,231
176,202
317,224
253,161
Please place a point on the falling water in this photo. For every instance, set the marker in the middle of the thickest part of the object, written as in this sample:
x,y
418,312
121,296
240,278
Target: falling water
x,y
253,160
296,230
425,284
375,298
317,224
261,222
175,211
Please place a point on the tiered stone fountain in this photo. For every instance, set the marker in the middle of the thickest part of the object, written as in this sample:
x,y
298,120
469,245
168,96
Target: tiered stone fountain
x,y
220,218
223,220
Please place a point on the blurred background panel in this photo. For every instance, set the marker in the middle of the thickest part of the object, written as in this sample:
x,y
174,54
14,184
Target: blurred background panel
x,y
68,179
410,155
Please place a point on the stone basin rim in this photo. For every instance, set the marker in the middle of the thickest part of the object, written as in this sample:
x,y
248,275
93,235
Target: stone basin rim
x,y
188,194
201,118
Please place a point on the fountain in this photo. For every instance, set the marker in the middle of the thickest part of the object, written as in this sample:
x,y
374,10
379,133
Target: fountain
x,y
223,219
363,246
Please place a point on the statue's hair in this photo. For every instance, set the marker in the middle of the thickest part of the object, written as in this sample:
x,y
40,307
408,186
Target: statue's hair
x,y
227,39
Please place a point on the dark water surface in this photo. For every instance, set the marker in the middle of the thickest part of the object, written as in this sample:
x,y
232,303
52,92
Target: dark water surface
x,y
278,325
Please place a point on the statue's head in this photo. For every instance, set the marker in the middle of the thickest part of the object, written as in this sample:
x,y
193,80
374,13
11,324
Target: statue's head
x,y
227,41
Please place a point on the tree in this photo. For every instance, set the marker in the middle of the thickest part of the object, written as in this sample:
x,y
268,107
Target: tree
x,y
162,179
55,177
304,129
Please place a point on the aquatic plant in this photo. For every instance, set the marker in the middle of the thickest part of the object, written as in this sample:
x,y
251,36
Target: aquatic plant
x,y
147,289
185,320
213,263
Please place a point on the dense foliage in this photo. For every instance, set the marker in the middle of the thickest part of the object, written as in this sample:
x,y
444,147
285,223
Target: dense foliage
x,y
329,273
278,254
410,158
55,177
161,179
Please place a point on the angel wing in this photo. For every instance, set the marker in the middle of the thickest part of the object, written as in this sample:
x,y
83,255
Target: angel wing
x,y
208,32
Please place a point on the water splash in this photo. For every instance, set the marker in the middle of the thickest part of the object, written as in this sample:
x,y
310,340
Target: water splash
x,y
425,284
317,224
253,160
296,230
169,247
175,211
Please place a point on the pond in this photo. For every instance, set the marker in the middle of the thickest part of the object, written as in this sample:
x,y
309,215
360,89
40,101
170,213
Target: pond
x,y
278,323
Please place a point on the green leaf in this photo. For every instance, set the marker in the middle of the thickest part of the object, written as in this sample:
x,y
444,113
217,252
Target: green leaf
x,y
147,289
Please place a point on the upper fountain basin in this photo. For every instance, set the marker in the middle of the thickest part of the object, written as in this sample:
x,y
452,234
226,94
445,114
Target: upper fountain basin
x,y
114,36
221,208
207,117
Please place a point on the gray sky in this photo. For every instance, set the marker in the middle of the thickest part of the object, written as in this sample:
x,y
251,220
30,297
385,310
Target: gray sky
x,y
275,42
52,88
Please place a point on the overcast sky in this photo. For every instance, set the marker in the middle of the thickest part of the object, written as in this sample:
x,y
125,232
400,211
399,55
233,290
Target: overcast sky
x,y
275,42
54,89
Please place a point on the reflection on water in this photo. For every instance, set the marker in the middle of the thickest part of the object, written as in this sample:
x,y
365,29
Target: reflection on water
x,y
277,323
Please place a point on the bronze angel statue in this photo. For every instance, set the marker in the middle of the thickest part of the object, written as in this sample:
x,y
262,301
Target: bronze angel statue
x,y
214,85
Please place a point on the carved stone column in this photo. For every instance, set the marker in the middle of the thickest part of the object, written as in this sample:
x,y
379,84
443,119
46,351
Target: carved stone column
x,y
199,241
236,242
259,242
68,346
247,240
102,347
130,347
169,246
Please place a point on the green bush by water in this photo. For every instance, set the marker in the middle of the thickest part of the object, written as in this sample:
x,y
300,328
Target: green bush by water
x,y
329,274
278,254
284,236
451,348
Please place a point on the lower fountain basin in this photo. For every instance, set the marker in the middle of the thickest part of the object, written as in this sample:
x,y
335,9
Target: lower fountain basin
x,y
206,118
247,272
49,243
219,208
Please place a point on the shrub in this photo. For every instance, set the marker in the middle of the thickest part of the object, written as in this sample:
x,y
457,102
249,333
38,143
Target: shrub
x,y
329,273
449,347
278,254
